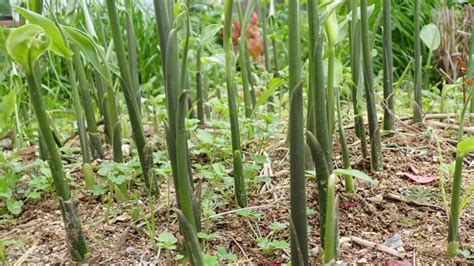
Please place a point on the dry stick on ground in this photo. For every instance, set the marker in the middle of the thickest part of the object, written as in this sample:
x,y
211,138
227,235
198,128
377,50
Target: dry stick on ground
x,y
453,126
396,197
378,247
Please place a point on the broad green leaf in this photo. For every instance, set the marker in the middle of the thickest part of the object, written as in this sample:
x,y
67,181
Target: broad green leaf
x,y
223,254
88,47
431,36
466,146
355,173
26,44
14,206
58,45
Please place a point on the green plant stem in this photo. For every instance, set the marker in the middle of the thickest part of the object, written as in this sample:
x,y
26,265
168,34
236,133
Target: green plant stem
x,y
330,250
199,90
322,174
299,244
418,101
375,141
132,51
87,102
356,88
81,127
78,247
128,90
453,227
185,190
243,59
233,111
388,105
348,180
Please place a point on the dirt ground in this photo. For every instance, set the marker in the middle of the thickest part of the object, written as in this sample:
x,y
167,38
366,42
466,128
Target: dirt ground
x,y
395,206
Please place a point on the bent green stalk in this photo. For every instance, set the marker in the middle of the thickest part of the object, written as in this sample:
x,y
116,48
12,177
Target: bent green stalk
x,y
240,193
374,131
25,45
129,93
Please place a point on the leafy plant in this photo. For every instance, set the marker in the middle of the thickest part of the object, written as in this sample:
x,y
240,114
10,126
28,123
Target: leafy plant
x,y
25,45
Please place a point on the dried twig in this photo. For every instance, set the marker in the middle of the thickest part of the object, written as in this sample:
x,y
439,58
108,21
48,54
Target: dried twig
x,y
378,247
392,196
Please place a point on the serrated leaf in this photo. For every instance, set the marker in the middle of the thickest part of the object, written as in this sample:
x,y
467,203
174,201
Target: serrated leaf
x,y
208,33
431,36
58,45
355,173
223,254
26,44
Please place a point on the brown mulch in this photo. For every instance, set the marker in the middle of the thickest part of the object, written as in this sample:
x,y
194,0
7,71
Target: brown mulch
x,y
37,235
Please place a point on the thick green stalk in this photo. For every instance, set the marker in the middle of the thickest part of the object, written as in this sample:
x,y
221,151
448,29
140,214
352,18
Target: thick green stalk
x,y
330,245
185,190
81,126
78,247
374,131
453,233
418,101
299,244
297,176
172,88
132,51
87,102
231,97
357,79
128,90
389,109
